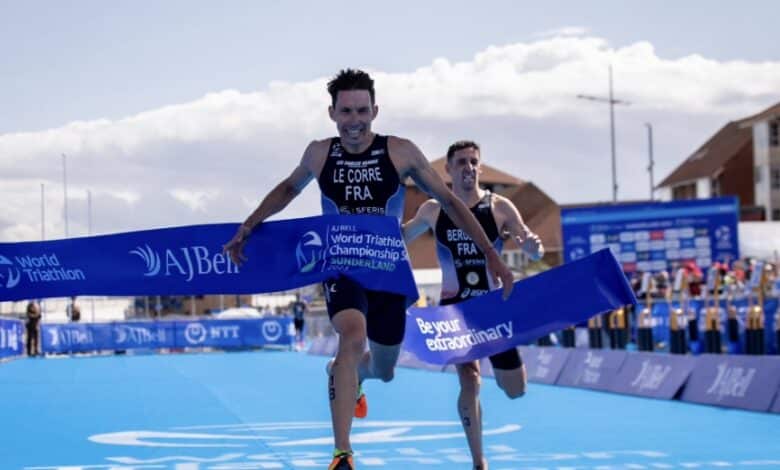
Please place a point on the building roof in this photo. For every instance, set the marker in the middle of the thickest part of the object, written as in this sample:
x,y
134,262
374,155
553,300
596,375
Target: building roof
x,y
771,112
489,175
708,159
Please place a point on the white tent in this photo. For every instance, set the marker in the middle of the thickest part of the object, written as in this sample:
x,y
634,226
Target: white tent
x,y
241,312
760,240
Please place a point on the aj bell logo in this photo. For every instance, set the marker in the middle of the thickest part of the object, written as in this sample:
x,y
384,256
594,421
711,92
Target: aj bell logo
x,y
188,261
309,251
9,274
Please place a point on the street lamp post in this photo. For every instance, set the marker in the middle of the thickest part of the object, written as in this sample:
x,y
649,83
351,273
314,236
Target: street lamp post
x,y
612,102
650,156
65,190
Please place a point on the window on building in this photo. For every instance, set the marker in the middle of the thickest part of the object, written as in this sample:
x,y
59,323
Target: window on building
x,y
684,191
775,178
715,187
774,133
775,214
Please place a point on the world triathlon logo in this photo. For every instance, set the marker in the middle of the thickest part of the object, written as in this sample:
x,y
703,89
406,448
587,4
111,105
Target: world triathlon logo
x,y
723,234
309,251
150,257
10,275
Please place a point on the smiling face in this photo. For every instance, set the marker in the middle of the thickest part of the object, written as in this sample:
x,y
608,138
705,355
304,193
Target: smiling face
x,y
464,168
353,113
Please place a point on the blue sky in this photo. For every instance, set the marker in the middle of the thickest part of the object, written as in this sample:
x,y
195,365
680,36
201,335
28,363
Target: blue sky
x,y
204,105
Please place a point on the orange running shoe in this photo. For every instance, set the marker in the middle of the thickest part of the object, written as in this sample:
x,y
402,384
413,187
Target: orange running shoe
x,y
342,461
361,405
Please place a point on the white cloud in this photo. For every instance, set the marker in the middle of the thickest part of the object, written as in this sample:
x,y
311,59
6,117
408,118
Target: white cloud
x,y
212,159
563,31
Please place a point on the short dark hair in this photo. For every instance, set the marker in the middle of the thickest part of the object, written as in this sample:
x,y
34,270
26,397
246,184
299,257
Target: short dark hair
x,y
462,145
351,79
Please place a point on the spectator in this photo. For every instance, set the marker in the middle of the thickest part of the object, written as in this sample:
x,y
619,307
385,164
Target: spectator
x,y
33,328
298,308
73,311
695,277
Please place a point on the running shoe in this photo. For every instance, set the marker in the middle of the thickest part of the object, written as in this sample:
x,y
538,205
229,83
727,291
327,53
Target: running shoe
x,y
361,405
342,461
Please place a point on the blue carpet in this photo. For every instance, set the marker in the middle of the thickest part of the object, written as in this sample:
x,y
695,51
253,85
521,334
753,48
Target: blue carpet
x,y
269,410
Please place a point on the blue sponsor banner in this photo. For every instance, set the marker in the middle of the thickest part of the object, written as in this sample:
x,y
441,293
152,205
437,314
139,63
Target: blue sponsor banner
x,y
592,368
188,260
222,334
539,305
544,364
748,382
697,308
11,337
653,375
651,237
776,406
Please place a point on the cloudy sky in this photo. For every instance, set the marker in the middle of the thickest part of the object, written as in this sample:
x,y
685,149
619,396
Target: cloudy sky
x,y
182,112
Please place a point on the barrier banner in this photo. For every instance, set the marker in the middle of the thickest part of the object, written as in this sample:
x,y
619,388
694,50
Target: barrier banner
x,y
76,337
87,337
653,236
11,337
653,375
776,406
188,260
140,335
544,364
539,305
234,333
660,314
748,382
592,368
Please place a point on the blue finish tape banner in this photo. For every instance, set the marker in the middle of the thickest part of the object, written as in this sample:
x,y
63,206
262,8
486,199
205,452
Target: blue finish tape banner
x,y
592,368
697,308
748,382
539,305
188,260
221,334
651,237
653,375
11,337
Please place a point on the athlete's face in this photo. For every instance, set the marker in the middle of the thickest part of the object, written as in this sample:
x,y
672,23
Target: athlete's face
x,y
464,168
353,114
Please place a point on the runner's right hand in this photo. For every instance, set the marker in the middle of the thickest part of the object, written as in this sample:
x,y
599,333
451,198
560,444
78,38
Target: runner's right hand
x,y
235,247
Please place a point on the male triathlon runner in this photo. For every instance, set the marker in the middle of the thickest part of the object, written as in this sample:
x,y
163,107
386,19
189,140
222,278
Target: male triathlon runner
x,y
360,172
464,275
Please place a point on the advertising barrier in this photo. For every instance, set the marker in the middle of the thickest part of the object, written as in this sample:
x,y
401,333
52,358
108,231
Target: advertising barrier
x,y
544,365
118,336
592,368
11,338
748,382
653,375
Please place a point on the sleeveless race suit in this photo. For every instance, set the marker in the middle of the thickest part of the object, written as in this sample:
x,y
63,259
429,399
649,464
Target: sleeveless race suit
x,y
463,265
364,184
